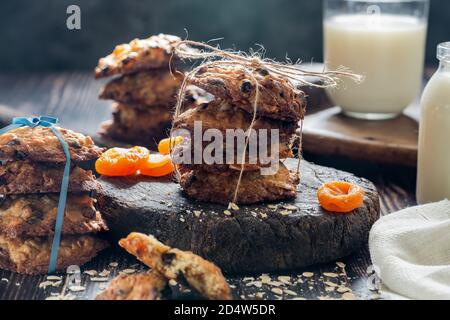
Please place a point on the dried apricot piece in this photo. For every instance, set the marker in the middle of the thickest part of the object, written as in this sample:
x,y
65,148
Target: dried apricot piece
x,y
155,160
166,145
340,196
159,169
118,162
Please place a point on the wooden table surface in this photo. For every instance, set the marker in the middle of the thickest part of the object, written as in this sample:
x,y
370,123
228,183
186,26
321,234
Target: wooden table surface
x,y
73,98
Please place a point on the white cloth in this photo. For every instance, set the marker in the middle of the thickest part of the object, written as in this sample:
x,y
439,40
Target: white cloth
x,y
411,249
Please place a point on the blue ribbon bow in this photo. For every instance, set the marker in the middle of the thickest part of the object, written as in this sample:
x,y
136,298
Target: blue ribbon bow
x,y
50,122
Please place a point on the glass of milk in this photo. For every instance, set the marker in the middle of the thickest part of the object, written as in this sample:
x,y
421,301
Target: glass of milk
x,y
382,40
433,179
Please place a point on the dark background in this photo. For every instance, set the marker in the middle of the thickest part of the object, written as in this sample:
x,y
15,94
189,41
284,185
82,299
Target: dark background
x,y
35,38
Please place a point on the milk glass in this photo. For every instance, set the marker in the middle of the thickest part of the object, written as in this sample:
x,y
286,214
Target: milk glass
x,y
385,42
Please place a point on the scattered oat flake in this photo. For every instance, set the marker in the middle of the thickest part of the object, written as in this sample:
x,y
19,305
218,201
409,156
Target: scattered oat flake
x,y
343,289
197,213
275,283
285,279
182,220
257,284
233,206
54,278
330,289
330,274
114,264
263,216
285,212
98,279
172,282
277,291
348,296
45,284
290,292
61,297
290,207
340,265
308,274
272,206
265,278
4,279
375,296
331,284
77,288
129,271
260,295
104,273
248,279
227,212
91,273
299,298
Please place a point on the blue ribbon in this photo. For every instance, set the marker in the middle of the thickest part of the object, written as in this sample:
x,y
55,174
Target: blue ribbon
x,y
49,122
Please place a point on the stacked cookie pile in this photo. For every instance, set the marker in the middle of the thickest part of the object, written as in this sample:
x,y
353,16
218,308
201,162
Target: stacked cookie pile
x,y
280,106
146,91
30,181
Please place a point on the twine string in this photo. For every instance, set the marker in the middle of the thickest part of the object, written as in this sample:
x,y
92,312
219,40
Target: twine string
x,y
292,72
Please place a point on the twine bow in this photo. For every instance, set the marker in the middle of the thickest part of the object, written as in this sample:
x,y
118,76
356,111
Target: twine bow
x,y
292,72
50,122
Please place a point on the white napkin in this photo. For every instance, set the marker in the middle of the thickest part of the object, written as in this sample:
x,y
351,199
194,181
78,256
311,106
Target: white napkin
x,y
411,249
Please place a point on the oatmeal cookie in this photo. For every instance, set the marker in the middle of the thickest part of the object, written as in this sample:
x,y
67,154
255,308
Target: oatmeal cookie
x,y
32,255
203,276
145,88
19,177
223,116
136,125
41,144
143,286
219,187
140,54
278,98
35,215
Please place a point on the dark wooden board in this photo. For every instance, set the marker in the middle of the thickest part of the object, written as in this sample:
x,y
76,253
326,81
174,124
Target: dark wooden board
x,y
73,97
257,238
329,132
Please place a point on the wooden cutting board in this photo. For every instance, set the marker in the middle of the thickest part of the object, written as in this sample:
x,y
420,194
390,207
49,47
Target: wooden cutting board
x,y
328,132
257,238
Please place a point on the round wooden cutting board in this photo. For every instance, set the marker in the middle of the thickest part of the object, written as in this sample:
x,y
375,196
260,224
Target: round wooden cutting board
x,y
257,238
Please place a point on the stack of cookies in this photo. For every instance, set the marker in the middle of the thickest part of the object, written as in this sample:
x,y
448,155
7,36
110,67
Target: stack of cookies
x,y
31,172
144,93
280,106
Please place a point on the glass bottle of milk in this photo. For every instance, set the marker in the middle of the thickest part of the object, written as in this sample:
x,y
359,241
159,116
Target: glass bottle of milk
x,y
433,179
